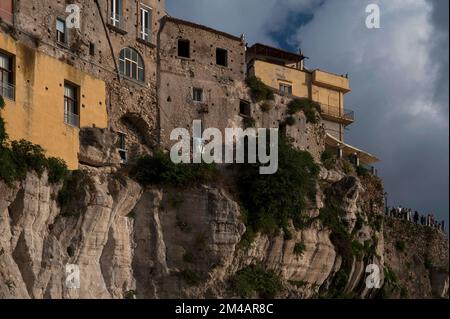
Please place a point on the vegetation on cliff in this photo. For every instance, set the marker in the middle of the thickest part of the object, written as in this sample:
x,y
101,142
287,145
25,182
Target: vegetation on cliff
x,y
259,91
158,169
256,279
309,107
19,157
269,201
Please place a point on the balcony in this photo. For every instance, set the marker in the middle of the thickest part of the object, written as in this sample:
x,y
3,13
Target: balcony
x,y
7,91
332,81
117,24
337,114
72,119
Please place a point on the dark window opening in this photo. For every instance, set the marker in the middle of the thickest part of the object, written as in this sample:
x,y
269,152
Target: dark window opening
x,y
71,105
122,148
285,89
245,109
91,48
197,95
184,49
7,89
221,57
61,31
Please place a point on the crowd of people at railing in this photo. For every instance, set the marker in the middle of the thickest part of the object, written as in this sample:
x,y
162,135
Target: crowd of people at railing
x,y
415,217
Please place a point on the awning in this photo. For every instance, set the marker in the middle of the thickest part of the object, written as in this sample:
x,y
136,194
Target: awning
x,y
348,150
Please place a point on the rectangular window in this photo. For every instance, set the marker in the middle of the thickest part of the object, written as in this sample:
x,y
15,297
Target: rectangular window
x,y
7,11
71,105
61,31
146,16
221,57
92,49
7,76
198,95
285,89
123,148
245,109
116,13
184,48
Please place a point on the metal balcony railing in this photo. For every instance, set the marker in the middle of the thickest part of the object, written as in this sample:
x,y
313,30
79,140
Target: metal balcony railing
x,y
336,111
117,21
72,119
7,91
145,34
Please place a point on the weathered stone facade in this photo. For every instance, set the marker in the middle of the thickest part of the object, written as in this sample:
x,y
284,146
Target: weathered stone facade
x,y
95,48
222,86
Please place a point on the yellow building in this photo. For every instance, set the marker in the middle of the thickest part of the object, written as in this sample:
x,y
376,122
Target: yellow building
x,y
285,73
47,101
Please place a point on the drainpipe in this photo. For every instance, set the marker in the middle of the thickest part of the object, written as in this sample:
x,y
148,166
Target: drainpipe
x,y
109,40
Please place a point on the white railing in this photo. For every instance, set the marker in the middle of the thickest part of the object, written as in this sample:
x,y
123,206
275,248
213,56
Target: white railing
x,y
7,91
116,21
72,119
145,34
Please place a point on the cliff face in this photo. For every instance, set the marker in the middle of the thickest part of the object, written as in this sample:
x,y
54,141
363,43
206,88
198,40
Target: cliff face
x,y
172,243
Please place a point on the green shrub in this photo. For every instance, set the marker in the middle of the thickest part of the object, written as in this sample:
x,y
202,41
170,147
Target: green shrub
x,y
299,249
160,170
188,257
347,167
260,91
57,170
358,249
271,200
3,134
256,279
130,294
76,186
2,102
328,159
22,157
309,107
362,171
266,106
290,121
400,245
390,277
191,277
428,264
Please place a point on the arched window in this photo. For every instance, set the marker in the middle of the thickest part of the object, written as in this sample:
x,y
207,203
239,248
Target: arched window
x,y
131,64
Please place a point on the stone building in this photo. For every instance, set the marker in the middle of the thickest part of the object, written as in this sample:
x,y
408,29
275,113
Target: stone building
x,y
115,43
133,71
201,77
286,74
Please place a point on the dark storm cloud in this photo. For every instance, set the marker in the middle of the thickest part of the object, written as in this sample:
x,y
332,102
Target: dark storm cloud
x,y
399,77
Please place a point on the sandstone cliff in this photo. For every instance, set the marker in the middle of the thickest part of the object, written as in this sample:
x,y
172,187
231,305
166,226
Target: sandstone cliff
x,y
131,242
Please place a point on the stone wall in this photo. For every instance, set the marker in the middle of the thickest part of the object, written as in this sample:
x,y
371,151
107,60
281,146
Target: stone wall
x,y
131,104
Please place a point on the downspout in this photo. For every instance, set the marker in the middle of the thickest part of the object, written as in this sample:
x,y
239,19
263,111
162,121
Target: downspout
x,y
158,80
109,41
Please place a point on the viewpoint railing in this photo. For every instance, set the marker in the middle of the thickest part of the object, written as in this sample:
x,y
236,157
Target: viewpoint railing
x,y
336,111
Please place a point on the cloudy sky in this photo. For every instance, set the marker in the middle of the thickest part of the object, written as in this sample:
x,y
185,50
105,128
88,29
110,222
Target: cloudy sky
x,y
399,76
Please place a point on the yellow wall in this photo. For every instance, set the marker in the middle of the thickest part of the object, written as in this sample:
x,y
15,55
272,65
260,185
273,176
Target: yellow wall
x,y
325,88
273,74
37,114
